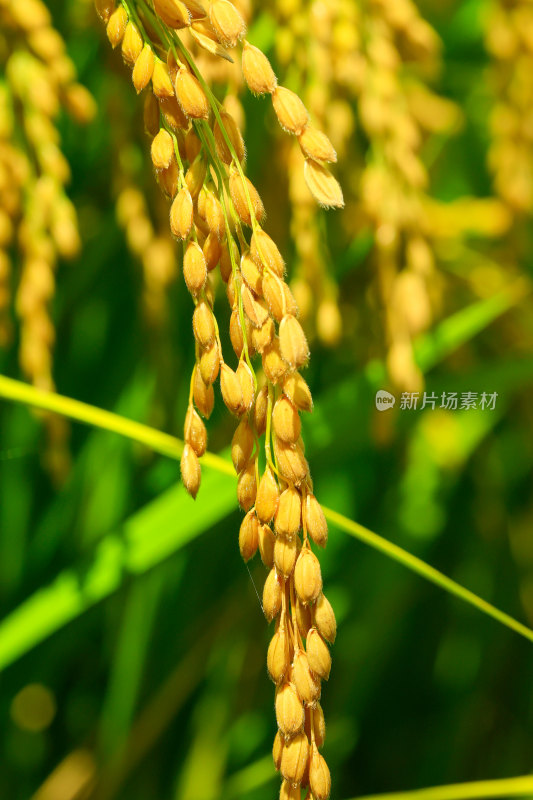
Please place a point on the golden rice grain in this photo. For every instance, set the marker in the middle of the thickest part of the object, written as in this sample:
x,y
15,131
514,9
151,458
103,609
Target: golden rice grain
x,y
190,95
287,521
151,115
322,185
245,198
255,309
235,333
298,392
210,363
104,9
195,176
289,710
274,366
206,42
289,791
272,592
315,521
212,251
294,758
190,471
307,576
231,390
325,618
318,654
80,103
248,537
273,291
260,410
319,776
116,26
316,145
263,337
277,750
225,265
204,396
286,421
197,9
174,13
194,268
242,445
315,716
143,69
285,554
247,486
304,618
227,133
290,111
266,545
181,214
305,683
214,215
251,273
203,324
168,179
257,70
267,499
161,83
265,253
227,22
162,151
246,380
195,433
291,461
278,660
132,43
172,113
293,344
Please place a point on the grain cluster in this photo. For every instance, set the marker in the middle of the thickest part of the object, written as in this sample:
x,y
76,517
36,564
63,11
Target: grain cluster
x,y
509,40
38,222
198,156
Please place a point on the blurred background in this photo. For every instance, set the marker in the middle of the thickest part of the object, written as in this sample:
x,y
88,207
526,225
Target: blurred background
x,y
132,644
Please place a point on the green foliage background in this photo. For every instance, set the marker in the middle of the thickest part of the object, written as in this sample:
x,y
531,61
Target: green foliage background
x,y
159,670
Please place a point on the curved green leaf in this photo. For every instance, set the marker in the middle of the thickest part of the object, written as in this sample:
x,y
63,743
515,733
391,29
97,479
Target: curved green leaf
x,y
505,787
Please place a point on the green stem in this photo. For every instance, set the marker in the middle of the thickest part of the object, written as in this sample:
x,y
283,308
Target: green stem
x,y
201,131
99,418
171,446
131,11
214,103
181,181
504,787
268,445
154,19
425,570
